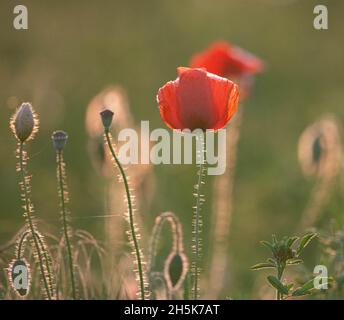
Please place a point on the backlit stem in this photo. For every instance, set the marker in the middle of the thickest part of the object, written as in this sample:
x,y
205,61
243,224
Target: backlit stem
x,y
60,175
131,217
29,220
197,219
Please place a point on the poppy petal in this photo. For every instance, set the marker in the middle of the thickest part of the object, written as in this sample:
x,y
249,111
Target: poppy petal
x,y
232,105
225,99
227,61
246,62
168,104
195,100
181,70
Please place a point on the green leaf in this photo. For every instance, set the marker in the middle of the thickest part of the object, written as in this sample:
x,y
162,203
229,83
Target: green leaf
x,y
263,265
274,239
300,293
293,262
291,241
305,240
304,289
278,284
268,245
289,286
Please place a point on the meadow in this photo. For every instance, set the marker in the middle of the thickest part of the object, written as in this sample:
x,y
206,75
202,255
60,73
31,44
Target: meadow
x,y
285,171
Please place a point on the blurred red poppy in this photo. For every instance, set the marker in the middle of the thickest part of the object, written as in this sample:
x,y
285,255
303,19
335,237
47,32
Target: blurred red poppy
x,y
197,99
227,61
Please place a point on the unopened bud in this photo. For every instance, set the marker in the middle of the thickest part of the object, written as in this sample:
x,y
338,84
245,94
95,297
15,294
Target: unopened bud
x,y
24,122
106,116
59,138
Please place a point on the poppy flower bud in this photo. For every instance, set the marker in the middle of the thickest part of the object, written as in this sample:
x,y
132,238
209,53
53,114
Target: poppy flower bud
x,y
59,138
106,116
24,122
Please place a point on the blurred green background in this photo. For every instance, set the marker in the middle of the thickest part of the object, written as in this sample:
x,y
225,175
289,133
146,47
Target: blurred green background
x,y
73,49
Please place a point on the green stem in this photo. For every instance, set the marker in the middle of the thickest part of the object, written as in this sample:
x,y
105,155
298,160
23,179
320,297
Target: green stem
x,y
46,258
197,230
21,242
131,216
280,270
153,247
64,219
30,222
156,236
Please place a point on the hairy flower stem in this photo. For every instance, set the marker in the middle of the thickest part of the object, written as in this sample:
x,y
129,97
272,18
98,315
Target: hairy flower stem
x,y
131,216
60,177
46,259
280,270
197,232
197,222
20,245
29,220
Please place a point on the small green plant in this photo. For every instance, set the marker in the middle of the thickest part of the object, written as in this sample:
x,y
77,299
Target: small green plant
x,y
285,253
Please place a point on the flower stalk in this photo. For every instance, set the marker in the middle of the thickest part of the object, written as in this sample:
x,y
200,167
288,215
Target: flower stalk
x,y
197,217
59,140
176,265
24,125
40,251
106,117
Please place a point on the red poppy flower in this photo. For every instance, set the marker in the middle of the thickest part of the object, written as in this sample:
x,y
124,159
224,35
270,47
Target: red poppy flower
x,y
197,99
227,61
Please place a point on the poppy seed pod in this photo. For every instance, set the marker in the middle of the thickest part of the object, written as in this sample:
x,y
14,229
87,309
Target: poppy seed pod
x,y
59,139
24,122
106,116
